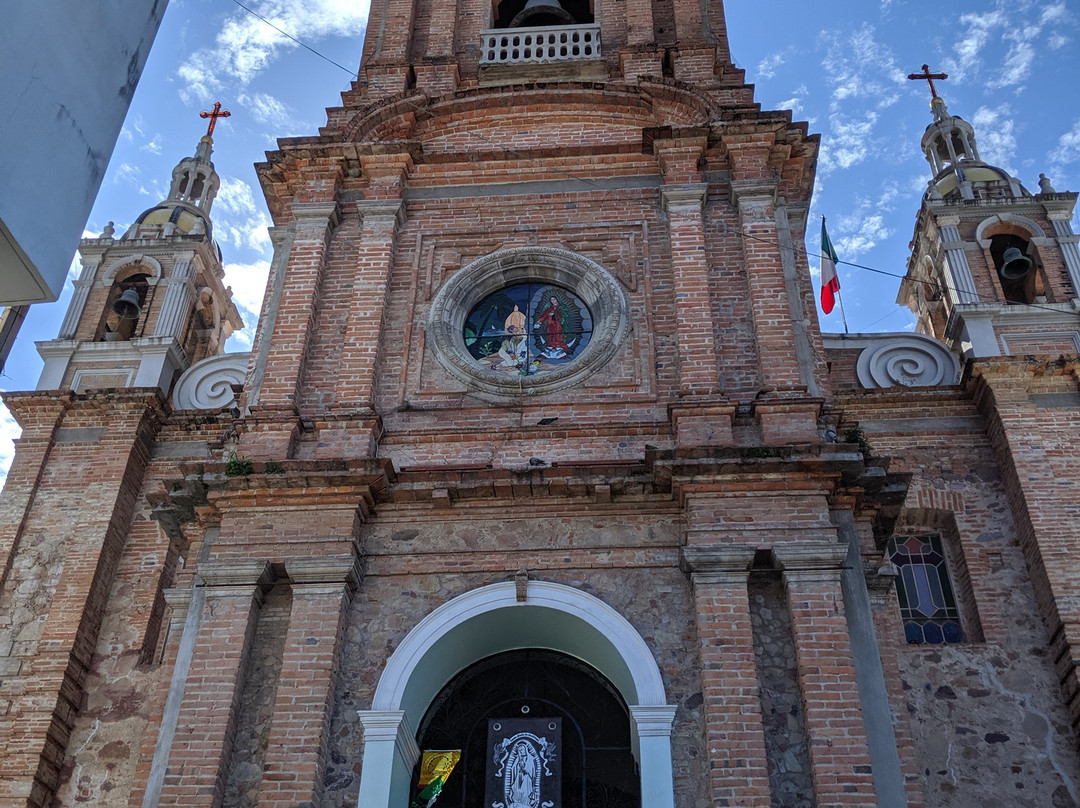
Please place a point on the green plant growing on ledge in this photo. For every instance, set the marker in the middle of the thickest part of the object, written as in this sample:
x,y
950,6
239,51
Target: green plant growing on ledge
x,y
273,468
854,434
237,467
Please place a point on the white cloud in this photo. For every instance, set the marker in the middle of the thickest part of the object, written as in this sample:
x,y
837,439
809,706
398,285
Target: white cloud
x,y
245,45
864,78
153,146
766,68
266,109
985,34
248,282
849,141
795,103
996,137
9,432
867,225
970,47
237,219
1065,153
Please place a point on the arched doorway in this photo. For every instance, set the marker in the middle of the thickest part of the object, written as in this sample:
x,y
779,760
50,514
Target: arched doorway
x,y
577,709
493,620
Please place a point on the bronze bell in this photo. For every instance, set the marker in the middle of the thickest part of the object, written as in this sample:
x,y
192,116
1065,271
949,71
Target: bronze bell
x,y
534,8
1014,264
127,305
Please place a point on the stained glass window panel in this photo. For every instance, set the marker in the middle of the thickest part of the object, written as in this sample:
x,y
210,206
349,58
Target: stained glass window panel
x,y
924,591
527,329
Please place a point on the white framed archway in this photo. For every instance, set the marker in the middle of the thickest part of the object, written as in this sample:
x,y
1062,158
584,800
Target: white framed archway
x,y
491,620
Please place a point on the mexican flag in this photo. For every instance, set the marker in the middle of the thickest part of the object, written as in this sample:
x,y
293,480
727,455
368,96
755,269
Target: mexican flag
x,y
830,283
434,769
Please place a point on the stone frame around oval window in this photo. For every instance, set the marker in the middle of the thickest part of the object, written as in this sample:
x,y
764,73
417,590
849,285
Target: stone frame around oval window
x,y
596,287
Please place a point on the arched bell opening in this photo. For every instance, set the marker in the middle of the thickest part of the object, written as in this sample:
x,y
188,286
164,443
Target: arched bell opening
x,y
543,13
1016,269
124,309
582,722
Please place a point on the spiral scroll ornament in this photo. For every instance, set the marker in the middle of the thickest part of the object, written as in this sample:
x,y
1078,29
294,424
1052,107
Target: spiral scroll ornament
x,y
208,385
908,360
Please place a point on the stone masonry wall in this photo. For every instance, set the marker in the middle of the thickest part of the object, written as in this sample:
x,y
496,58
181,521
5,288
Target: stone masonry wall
x,y
988,721
418,562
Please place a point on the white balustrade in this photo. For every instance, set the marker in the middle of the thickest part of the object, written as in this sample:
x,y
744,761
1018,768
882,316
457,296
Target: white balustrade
x,y
559,43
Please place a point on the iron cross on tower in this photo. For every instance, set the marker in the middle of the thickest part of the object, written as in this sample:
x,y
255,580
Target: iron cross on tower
x,y
926,76
213,115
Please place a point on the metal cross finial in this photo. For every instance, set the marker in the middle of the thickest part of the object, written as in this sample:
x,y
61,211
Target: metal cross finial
x,y
216,113
928,77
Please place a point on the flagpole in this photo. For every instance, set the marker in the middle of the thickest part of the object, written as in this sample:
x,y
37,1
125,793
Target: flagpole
x,y
843,315
830,280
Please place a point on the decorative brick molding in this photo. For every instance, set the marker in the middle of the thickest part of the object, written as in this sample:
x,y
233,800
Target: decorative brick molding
x,y
208,385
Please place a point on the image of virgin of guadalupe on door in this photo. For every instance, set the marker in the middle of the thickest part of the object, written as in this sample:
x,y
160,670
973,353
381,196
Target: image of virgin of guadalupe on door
x,y
523,768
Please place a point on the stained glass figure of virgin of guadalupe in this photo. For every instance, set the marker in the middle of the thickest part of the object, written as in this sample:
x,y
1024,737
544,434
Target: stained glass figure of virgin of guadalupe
x,y
527,329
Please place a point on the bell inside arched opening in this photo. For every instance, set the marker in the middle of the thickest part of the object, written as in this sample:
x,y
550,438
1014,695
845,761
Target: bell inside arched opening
x,y
543,13
1015,268
124,309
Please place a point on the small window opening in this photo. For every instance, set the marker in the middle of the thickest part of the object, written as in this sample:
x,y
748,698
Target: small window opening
x,y
924,588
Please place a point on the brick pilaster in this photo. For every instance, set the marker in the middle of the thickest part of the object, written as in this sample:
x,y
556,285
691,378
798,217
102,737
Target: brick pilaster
x,y
698,371
44,670
890,631
296,755
360,343
39,415
298,306
738,770
834,724
753,189
208,712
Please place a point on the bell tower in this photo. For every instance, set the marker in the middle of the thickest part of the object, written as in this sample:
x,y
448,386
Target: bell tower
x,y
994,269
150,302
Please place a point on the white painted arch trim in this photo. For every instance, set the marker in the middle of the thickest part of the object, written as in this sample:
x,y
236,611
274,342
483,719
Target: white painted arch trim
x,y
648,687
490,620
1011,218
144,261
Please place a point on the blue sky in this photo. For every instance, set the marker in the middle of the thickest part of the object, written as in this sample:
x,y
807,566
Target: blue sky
x,y
840,65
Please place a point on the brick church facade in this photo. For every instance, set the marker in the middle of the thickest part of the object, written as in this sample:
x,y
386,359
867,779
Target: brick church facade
x,y
540,430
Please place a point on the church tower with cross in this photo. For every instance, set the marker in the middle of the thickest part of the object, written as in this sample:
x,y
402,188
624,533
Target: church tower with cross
x,y
994,269
540,484
150,302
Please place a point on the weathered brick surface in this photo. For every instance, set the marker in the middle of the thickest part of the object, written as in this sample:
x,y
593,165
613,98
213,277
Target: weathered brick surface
x,y
962,712
702,439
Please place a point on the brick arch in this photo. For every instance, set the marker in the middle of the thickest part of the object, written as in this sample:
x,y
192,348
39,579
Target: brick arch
x,y
1007,224
130,265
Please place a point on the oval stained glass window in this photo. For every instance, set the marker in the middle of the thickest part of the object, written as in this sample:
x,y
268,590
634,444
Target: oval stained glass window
x,y
527,329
